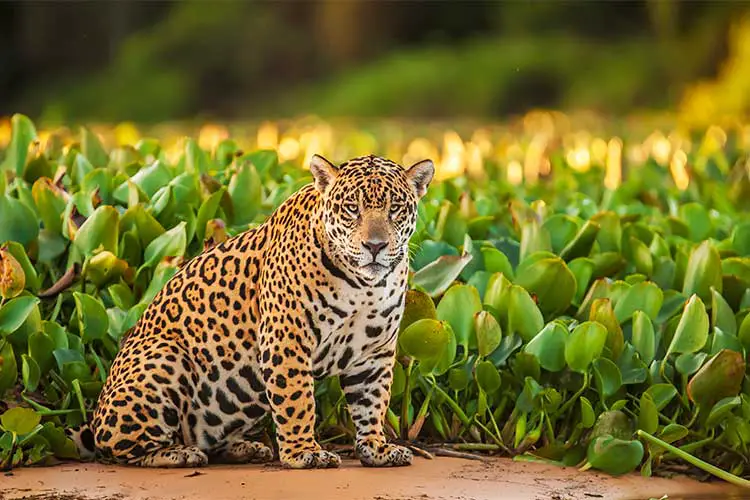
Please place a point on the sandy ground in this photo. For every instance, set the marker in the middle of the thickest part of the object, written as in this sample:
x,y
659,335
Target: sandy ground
x,y
442,478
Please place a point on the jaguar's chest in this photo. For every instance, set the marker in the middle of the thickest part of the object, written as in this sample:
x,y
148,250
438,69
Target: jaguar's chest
x,y
354,325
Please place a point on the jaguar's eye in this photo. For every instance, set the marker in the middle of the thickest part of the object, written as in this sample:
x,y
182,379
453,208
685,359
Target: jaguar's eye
x,y
352,209
395,209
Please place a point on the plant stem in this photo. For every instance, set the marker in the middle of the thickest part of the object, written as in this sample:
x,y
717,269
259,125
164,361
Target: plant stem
x,y
406,402
333,438
564,408
498,441
711,469
474,446
454,406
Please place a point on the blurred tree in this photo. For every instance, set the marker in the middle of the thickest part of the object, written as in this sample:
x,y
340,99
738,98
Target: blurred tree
x,y
150,61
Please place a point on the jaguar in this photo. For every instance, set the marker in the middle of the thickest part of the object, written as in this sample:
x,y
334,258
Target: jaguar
x,y
246,327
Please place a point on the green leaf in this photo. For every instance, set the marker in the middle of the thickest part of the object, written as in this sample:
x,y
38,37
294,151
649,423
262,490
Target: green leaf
x,y
608,264
689,362
149,179
425,339
19,253
659,248
14,312
436,277
697,220
584,345
399,380
719,378
632,368
609,236
458,379
148,228
692,330
644,338
614,456
92,148
163,273
451,225
80,168
489,334
196,160
50,203
30,372
582,243
170,244
661,394
246,190
23,134
549,347
103,268
100,231
723,340
57,333
20,420
648,415
614,423
721,410
642,258
744,332
644,296
607,377
526,365
496,297
92,317
207,212
562,228
703,272
99,180
551,282
741,239
488,378
524,317
62,446
496,261
418,305
722,316
583,270
429,251
41,346
588,417
8,367
602,312
19,222
458,307
534,238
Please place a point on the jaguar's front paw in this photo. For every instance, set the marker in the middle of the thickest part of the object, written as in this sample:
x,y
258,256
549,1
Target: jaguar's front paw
x,y
380,454
314,459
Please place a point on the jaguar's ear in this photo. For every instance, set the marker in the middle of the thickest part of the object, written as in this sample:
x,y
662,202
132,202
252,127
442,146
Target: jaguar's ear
x,y
420,174
323,171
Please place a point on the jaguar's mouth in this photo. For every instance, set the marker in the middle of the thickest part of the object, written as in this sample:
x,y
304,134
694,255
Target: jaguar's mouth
x,y
374,267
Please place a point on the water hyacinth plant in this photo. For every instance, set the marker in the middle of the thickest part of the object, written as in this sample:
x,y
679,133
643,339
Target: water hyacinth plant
x,y
568,319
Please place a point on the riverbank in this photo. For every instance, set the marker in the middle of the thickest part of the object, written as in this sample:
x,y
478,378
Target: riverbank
x,y
442,478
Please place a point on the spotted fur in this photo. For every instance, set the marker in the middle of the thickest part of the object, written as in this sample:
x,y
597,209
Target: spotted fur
x,y
244,329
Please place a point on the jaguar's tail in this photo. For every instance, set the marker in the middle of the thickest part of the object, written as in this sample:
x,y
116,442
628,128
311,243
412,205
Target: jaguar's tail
x,y
83,437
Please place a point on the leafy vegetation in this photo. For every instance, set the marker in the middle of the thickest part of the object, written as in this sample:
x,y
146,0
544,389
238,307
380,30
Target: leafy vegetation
x,y
558,320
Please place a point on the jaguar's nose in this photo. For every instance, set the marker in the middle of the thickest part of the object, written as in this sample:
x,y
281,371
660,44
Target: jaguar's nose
x,y
375,246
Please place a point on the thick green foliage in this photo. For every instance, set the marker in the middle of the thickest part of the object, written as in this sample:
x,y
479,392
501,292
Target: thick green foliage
x,y
561,331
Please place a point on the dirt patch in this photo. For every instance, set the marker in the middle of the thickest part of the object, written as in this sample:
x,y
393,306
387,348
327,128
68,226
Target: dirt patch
x,y
439,479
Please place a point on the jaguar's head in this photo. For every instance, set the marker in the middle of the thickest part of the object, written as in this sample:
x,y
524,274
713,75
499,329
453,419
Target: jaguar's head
x,y
370,209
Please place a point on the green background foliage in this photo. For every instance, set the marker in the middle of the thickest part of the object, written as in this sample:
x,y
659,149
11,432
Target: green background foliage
x,y
559,321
